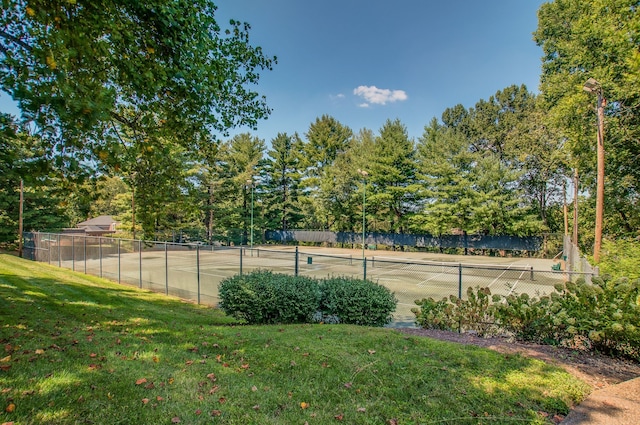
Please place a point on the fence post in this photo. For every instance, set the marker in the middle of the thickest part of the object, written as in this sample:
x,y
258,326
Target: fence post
x,y
198,269
240,261
49,246
73,253
364,267
140,261
166,270
295,269
100,253
532,273
85,254
459,280
119,240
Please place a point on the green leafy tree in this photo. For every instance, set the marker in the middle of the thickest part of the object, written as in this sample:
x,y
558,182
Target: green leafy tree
x,y
77,68
25,157
596,39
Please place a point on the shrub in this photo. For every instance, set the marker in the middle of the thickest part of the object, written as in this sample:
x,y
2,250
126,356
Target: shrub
x,y
357,301
433,314
472,314
262,297
606,313
603,315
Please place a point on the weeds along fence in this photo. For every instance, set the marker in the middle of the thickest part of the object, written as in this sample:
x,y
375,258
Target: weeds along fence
x,y
194,271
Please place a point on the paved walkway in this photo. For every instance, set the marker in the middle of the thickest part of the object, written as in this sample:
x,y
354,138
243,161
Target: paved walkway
x,y
614,405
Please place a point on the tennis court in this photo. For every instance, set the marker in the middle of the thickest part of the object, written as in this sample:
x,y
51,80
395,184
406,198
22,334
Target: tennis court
x,y
194,272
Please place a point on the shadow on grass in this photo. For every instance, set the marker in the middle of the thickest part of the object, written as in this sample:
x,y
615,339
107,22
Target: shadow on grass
x,y
78,350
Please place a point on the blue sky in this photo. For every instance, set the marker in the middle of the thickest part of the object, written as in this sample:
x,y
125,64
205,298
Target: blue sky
x,y
417,56
366,61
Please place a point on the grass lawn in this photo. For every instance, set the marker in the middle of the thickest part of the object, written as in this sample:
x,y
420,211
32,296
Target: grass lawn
x,y
77,349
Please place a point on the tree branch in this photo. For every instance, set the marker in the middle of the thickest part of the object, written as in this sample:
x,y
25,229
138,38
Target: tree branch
x,y
14,39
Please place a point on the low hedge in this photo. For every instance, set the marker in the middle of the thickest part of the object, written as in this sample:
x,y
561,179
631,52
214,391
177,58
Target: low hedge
x,y
263,297
603,315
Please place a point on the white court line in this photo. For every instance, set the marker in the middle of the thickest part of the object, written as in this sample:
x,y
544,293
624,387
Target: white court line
x,y
501,274
516,284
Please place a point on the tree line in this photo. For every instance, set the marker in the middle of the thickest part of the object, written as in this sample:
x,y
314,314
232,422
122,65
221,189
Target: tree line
x,y
137,129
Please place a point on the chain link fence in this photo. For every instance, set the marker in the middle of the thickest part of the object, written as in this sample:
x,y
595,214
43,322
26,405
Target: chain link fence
x,y
194,271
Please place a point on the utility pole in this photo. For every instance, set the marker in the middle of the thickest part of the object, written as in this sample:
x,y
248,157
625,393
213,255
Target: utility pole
x,y
593,86
575,207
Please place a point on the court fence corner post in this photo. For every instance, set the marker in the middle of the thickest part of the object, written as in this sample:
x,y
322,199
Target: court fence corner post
x,y
364,268
140,262
166,269
460,281
198,269
295,268
119,260
240,261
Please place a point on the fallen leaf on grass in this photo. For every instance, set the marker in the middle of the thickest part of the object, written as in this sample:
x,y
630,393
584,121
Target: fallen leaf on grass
x,y
5,359
339,417
361,409
371,351
141,381
304,405
7,423
159,398
39,351
10,408
216,413
175,420
198,412
145,400
256,407
254,388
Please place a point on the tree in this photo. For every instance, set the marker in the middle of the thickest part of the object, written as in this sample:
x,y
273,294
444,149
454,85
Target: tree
x,y
445,164
281,186
24,157
326,140
392,172
79,68
596,39
243,164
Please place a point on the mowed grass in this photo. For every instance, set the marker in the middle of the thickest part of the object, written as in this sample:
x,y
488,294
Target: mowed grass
x,y
77,349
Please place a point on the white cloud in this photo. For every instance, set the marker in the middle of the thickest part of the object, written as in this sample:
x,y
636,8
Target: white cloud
x,y
374,95
338,96
363,105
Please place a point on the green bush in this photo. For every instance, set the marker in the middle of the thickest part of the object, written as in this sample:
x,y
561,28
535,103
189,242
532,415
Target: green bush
x,y
433,314
263,297
475,313
603,315
357,301
606,313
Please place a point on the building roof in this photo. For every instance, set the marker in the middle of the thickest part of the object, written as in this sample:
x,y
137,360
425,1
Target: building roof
x,y
103,220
